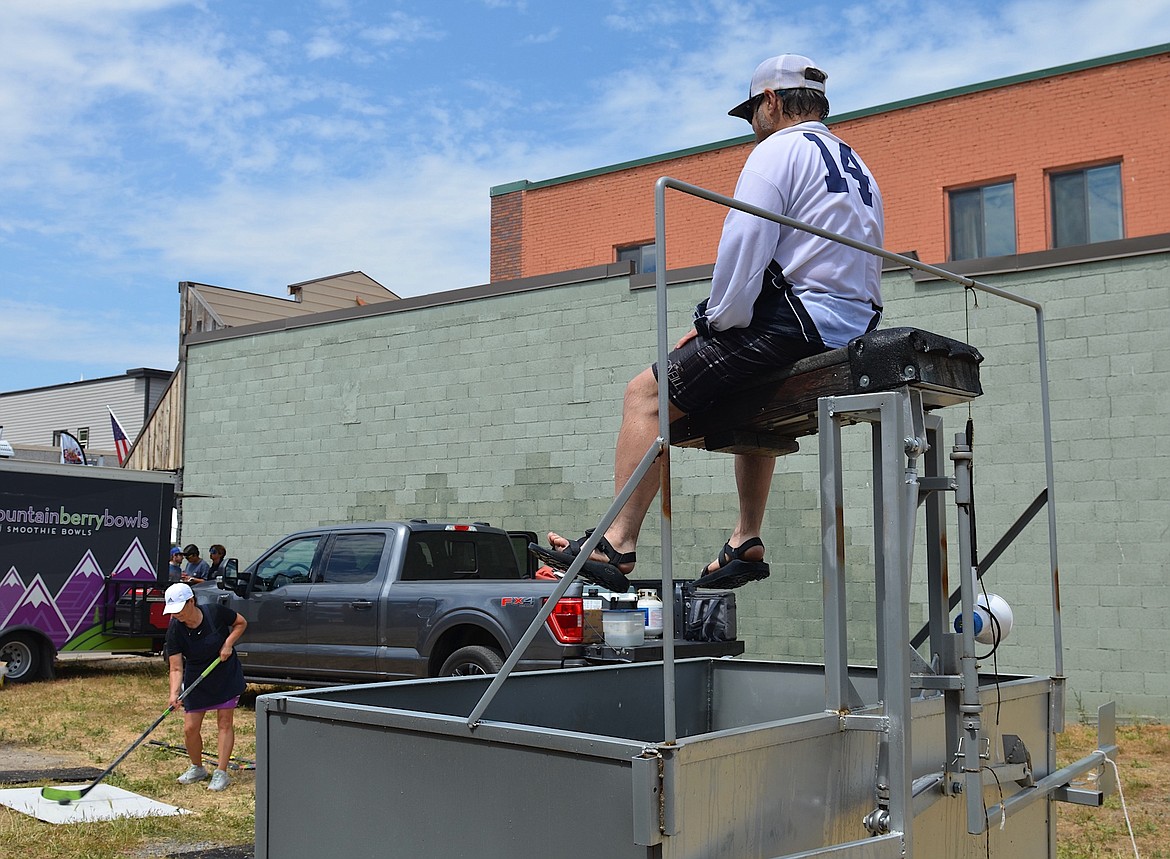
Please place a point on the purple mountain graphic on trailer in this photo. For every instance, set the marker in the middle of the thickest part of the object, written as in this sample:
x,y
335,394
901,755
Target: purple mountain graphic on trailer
x,y
81,590
36,609
11,590
135,564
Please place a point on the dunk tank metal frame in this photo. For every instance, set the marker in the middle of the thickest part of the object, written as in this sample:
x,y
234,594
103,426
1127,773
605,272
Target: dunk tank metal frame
x,y
879,763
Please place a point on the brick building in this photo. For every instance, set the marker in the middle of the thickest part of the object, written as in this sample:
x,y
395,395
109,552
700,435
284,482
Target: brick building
x,y
1051,159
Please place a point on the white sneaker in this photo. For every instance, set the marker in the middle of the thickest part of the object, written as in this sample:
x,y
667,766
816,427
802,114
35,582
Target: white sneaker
x,y
219,780
192,775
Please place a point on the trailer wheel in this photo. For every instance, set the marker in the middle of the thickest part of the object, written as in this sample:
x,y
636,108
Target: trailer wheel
x,y
22,652
471,660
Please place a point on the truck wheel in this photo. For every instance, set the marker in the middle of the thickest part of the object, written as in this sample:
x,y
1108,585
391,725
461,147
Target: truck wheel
x,y
23,655
473,659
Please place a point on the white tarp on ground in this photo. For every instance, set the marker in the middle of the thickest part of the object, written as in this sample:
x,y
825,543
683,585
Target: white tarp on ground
x,y
104,802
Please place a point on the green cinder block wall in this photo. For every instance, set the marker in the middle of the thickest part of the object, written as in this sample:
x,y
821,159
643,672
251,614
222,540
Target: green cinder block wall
x,y
505,409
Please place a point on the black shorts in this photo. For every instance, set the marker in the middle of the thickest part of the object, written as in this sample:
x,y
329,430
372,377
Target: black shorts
x,y
705,368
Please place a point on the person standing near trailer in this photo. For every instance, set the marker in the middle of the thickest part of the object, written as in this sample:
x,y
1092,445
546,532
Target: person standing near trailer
x,y
175,569
218,555
777,295
197,635
197,568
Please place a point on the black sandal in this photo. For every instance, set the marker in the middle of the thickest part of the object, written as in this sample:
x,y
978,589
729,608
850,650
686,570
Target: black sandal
x,y
601,573
733,571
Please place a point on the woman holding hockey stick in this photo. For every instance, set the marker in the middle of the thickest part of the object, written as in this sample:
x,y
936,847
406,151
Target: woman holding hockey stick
x,y
196,636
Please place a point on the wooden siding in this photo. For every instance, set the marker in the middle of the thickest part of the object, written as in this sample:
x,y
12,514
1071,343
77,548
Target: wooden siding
x,y
210,308
338,291
160,446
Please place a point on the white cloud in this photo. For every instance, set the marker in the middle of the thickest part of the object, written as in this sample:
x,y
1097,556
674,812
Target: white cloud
x,y
400,27
415,233
542,38
323,46
76,335
875,53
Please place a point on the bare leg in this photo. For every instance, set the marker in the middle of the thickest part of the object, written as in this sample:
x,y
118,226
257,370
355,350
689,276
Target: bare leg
x,y
226,726
638,431
753,481
193,737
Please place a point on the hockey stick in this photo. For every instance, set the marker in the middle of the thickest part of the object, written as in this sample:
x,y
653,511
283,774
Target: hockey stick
x,y
234,761
64,795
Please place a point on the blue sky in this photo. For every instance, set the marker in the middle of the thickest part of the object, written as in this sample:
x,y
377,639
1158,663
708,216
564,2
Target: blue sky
x,y
256,144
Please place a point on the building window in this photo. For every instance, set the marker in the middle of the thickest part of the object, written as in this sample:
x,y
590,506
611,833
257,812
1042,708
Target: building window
x,y
57,437
983,221
642,256
1086,206
83,436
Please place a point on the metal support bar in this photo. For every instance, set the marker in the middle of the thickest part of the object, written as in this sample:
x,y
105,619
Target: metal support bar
x,y
894,601
669,713
1049,784
984,563
1010,535
899,438
895,845
970,709
937,583
833,559
563,585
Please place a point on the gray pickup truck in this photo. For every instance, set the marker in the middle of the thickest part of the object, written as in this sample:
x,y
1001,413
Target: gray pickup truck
x,y
390,600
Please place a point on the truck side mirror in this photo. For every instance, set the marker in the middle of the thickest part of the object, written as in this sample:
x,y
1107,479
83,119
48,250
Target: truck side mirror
x,y
229,576
241,584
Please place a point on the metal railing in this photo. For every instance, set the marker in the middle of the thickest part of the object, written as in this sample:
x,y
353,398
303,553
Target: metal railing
x,y
660,448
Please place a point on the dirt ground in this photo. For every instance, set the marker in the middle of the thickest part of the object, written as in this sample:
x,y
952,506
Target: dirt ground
x,y
13,758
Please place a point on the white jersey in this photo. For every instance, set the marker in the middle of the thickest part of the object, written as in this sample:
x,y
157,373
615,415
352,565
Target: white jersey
x,y
806,173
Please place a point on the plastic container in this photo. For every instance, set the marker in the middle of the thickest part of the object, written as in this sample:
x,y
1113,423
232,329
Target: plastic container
x,y
599,598
623,627
651,607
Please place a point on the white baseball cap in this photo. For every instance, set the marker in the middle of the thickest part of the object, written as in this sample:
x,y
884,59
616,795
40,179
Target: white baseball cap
x,y
177,596
786,71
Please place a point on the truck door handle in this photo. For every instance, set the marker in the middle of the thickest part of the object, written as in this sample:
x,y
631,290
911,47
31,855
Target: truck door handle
x,y
362,605
293,605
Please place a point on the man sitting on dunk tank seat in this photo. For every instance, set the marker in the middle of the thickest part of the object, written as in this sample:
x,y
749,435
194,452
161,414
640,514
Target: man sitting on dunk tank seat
x,y
777,295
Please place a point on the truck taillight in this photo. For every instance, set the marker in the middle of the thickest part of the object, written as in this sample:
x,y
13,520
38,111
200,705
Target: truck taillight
x,y
567,621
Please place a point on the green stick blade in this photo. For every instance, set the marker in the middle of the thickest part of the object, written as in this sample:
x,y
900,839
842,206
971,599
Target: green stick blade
x,y
60,794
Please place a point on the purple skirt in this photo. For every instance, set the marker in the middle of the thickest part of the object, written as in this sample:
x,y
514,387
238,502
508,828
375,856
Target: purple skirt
x,y
229,704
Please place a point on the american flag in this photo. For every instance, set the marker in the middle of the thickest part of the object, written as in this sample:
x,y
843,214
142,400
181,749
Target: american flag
x,y
121,443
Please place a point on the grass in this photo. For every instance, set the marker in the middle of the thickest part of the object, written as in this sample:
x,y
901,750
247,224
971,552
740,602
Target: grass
x,y
1144,765
95,709
90,715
